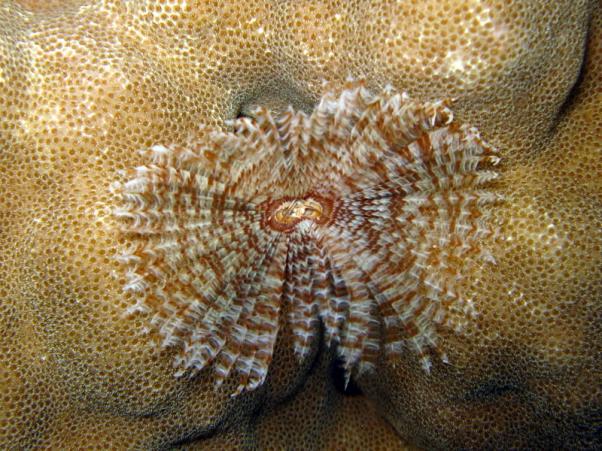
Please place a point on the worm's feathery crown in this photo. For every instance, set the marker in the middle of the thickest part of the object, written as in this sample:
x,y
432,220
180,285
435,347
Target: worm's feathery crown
x,y
365,215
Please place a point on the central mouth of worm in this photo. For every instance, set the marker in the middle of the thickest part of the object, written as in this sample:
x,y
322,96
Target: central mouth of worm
x,y
284,214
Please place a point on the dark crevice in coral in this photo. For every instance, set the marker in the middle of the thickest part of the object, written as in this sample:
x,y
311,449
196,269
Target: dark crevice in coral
x,y
337,375
575,90
492,390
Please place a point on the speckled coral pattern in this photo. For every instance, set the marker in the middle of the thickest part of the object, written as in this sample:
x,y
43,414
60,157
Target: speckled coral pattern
x,y
85,85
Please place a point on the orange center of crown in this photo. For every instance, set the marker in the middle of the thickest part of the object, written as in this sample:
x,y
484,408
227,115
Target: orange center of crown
x,y
282,215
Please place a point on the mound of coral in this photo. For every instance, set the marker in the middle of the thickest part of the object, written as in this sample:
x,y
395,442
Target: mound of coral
x,y
86,85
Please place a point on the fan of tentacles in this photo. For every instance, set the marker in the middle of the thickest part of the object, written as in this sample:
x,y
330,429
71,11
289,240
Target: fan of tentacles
x,y
363,216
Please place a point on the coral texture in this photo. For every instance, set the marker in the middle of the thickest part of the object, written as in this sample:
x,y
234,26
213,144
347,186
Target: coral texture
x,y
85,85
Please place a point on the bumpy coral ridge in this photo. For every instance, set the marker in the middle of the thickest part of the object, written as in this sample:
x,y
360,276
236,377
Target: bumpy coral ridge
x,y
373,203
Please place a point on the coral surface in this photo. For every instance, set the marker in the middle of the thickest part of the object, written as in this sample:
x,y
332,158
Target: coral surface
x,y
86,85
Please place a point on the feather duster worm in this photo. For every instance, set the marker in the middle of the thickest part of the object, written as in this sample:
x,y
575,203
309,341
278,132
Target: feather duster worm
x,y
364,215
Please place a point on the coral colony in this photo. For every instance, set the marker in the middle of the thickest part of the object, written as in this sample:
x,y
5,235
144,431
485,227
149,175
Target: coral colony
x,y
362,216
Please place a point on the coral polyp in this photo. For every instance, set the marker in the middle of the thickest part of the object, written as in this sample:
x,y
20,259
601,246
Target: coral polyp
x,y
365,216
